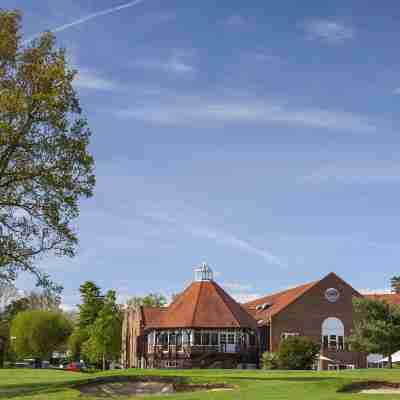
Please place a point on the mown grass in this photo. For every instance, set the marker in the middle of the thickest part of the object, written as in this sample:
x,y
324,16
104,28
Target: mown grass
x,y
254,385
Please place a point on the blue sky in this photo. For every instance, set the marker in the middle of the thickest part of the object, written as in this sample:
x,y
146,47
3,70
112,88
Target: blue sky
x,y
261,138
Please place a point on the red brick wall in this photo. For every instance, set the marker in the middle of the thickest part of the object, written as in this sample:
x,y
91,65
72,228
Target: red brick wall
x,y
306,315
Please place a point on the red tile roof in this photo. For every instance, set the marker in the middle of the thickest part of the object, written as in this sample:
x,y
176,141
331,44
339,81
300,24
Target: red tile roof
x,y
151,314
203,305
275,302
392,298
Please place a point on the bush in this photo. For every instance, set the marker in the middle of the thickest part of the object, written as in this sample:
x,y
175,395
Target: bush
x,y
297,352
269,360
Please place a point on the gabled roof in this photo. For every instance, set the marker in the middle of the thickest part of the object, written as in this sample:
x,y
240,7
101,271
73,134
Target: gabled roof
x,y
275,302
391,298
203,305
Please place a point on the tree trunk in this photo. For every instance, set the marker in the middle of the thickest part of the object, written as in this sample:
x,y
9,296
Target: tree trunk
x,y
390,361
104,362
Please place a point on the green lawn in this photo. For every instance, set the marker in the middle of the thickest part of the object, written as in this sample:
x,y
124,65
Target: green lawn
x,y
47,384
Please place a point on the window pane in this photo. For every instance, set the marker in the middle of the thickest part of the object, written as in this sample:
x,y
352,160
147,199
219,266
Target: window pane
x,y
172,339
205,339
231,338
252,340
214,339
326,342
222,338
197,338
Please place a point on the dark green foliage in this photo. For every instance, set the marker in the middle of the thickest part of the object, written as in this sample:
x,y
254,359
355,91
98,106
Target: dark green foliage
x,y
104,342
38,333
297,353
45,167
97,336
92,301
376,327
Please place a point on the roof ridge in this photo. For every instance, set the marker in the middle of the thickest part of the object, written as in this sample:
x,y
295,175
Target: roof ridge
x,y
223,295
197,302
282,292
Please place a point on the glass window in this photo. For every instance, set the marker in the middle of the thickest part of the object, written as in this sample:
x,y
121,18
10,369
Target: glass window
x,y
197,338
172,339
163,339
222,338
186,337
205,339
325,342
214,339
340,343
252,339
231,338
333,341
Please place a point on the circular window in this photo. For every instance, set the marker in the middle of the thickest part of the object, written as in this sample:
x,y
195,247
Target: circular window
x,y
332,295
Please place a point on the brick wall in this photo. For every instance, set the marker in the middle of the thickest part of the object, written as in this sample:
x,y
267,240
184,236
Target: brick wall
x,y
306,315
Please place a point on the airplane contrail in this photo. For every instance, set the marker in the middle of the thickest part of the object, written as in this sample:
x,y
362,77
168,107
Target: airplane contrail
x,y
87,18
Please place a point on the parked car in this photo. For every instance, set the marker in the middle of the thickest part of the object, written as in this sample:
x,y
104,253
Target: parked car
x,y
74,366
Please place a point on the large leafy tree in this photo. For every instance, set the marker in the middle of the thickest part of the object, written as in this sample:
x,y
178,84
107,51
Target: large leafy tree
x,y
104,342
45,167
37,333
376,327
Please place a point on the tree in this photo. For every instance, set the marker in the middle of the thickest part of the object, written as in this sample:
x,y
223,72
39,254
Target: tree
x,y
151,300
395,284
297,353
39,333
376,327
92,302
105,338
45,167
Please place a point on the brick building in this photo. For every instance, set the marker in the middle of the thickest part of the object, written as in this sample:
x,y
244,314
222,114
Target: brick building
x,y
205,327
321,310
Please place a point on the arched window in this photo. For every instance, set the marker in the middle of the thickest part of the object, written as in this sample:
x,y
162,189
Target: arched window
x,y
333,334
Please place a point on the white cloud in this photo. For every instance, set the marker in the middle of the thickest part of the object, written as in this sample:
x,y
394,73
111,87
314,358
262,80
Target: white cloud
x,y
89,79
245,297
328,30
374,291
188,110
242,293
218,236
357,172
234,286
179,61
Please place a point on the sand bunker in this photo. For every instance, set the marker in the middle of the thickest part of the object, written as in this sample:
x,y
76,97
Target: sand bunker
x,y
132,386
372,387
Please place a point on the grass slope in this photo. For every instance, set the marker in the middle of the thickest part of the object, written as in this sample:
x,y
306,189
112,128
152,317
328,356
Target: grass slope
x,y
280,385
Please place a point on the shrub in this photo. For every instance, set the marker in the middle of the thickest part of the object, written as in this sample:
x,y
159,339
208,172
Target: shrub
x,y
269,360
297,352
